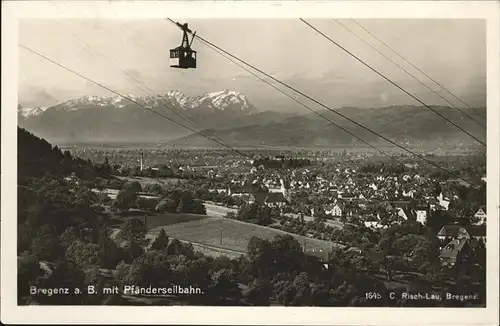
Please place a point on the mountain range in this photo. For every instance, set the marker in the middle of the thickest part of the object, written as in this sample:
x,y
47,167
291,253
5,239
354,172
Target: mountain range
x,y
411,126
229,116
116,119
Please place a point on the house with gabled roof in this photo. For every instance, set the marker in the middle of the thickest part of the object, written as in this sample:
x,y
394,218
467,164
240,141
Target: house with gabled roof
x,y
408,194
373,222
477,232
421,214
480,216
334,210
403,213
453,231
454,250
321,255
444,202
275,199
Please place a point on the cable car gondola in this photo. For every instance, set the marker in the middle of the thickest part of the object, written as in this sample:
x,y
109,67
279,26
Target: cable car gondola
x,y
183,56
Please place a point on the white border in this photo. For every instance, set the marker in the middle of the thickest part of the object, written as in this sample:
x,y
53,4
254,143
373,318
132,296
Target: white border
x,y
12,11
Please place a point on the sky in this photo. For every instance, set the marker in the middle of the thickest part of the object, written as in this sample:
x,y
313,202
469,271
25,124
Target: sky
x,y
451,51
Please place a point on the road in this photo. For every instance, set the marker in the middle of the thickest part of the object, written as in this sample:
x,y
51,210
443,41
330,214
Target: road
x,y
221,211
332,223
218,210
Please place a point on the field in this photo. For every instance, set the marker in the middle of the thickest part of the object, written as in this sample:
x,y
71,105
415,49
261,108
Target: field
x,y
225,234
165,219
204,231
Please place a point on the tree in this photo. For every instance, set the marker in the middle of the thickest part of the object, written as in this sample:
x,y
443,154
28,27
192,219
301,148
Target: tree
x,y
197,272
166,205
285,292
389,262
154,189
133,186
123,272
199,208
46,246
247,212
146,204
69,236
259,293
231,215
64,275
254,213
110,254
83,254
133,250
132,229
93,276
115,184
178,248
161,241
410,243
224,285
181,206
28,273
301,284
125,199
151,268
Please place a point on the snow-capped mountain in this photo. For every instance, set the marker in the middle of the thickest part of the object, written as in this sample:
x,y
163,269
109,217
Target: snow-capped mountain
x,y
206,103
30,112
117,118
224,100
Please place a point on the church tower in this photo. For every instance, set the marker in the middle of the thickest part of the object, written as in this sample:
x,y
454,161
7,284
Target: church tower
x,y
142,160
285,189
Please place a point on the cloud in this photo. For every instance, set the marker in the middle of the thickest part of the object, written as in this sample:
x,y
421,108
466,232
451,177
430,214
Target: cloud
x,y
33,96
451,51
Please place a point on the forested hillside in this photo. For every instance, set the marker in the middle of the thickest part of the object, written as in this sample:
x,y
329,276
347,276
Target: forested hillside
x,y
37,158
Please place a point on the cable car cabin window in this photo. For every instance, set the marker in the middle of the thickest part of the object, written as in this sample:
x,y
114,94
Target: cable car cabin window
x,y
174,54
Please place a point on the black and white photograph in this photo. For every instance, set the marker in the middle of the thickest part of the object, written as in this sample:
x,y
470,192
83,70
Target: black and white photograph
x,y
296,161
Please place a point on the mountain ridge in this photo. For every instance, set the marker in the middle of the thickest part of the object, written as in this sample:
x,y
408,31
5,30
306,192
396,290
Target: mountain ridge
x,y
230,116
114,118
220,100
406,125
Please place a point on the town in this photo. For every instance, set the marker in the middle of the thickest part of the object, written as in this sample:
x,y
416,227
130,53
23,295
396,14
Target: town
x,y
393,222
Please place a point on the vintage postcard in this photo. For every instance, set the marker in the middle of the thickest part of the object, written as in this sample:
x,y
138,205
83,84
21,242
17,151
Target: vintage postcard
x,y
250,163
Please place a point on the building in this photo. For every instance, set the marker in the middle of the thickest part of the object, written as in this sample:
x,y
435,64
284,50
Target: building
x,y
285,189
275,200
321,256
409,194
248,198
454,251
480,216
421,215
334,210
248,187
374,224
477,232
453,231
444,202
403,213
142,160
